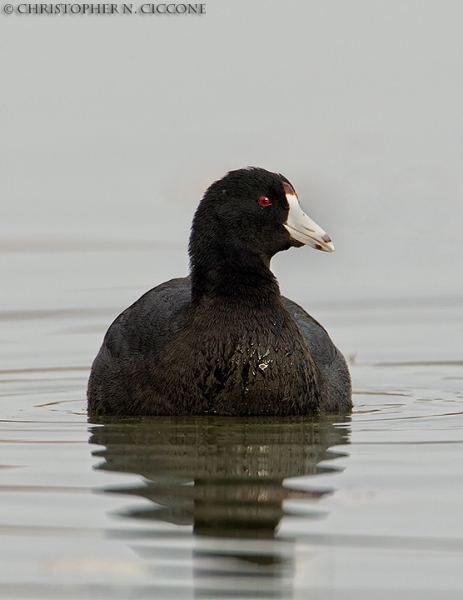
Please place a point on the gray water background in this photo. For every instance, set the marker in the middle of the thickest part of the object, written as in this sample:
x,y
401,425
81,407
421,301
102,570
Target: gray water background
x,y
111,129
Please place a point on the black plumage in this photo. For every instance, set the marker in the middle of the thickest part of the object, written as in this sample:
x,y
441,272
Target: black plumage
x,y
224,341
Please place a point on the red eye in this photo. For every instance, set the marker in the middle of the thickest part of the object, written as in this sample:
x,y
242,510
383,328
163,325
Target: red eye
x,y
264,201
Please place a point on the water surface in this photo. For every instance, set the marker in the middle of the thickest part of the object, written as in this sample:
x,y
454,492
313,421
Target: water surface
x,y
358,506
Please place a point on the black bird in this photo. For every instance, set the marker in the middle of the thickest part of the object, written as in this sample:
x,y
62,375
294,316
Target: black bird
x,y
223,340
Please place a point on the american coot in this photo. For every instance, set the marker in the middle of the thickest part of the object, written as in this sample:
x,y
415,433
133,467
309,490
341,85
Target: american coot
x,y
224,341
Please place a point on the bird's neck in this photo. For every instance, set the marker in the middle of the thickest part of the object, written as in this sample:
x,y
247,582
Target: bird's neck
x,y
238,275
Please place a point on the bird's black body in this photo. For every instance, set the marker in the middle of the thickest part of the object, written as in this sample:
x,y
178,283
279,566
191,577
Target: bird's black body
x,y
223,341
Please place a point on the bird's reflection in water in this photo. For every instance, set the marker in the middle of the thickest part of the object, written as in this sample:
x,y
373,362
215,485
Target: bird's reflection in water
x,y
226,478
